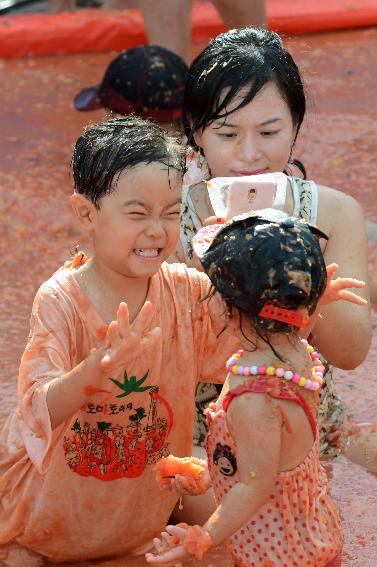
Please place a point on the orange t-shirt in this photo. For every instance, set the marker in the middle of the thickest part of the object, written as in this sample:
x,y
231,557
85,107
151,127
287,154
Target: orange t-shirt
x,y
88,489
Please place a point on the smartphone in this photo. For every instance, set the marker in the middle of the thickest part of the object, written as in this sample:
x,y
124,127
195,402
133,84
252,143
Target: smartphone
x,y
245,195
233,196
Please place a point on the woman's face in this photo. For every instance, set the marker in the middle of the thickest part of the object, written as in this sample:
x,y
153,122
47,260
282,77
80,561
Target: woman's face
x,y
255,139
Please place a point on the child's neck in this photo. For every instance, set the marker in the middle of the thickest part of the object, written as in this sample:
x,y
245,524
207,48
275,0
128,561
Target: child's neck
x,y
289,348
106,289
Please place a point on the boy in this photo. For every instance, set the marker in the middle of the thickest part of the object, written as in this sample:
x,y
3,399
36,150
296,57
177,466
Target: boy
x,y
107,380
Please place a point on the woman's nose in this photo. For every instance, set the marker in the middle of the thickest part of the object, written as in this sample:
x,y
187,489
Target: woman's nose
x,y
248,149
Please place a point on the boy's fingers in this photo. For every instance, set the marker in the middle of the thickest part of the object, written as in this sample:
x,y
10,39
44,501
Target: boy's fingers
x,y
106,362
115,355
167,558
177,531
123,319
112,333
159,545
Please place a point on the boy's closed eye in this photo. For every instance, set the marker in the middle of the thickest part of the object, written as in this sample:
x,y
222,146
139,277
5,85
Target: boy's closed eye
x,y
171,212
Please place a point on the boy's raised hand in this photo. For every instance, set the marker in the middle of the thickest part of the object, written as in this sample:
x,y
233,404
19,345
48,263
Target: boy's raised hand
x,y
125,340
336,289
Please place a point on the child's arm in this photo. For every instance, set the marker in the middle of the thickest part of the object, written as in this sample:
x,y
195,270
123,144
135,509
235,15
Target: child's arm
x,y
255,424
251,418
125,341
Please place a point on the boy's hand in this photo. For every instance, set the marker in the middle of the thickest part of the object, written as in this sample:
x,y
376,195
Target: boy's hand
x,y
125,341
169,548
185,485
336,290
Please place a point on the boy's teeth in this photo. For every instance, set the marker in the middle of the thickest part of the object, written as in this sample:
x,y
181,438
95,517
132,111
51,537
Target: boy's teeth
x,y
147,252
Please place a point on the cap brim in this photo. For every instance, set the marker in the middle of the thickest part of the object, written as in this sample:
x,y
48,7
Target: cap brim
x,y
87,99
204,238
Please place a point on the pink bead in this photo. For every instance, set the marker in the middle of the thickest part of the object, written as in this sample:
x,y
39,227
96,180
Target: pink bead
x,y
314,355
246,371
308,385
319,375
261,369
296,377
315,386
280,372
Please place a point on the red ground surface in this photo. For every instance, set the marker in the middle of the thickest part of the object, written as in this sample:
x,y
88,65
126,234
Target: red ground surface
x,y
38,127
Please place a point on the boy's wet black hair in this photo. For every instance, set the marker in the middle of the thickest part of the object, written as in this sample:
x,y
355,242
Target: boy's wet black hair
x,y
108,148
239,58
255,261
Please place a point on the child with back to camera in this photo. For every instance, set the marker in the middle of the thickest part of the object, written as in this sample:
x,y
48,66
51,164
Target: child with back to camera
x,y
273,497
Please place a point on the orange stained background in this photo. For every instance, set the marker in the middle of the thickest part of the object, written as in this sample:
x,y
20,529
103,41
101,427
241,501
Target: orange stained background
x,y
338,145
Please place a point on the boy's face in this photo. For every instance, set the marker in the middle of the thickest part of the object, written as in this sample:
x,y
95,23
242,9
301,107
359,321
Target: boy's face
x,y
136,227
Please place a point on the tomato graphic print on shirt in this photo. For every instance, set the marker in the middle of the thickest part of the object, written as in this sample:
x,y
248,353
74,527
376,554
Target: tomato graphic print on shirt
x,y
125,438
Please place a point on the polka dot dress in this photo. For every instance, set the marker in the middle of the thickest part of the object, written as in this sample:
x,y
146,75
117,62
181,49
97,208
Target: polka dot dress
x,y
299,524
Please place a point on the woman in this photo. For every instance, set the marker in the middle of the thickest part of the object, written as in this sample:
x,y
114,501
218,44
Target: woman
x,y
244,105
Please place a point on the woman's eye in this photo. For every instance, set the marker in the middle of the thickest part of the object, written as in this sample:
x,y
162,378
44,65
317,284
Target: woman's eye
x,y
228,135
136,213
269,132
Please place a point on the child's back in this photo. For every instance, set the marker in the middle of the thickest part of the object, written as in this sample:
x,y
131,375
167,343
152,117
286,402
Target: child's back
x,y
298,524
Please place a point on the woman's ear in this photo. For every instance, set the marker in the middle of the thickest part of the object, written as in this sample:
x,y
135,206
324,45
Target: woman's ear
x,y
197,136
198,139
83,209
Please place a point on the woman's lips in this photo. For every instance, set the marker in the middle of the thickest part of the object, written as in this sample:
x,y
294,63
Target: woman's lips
x,y
245,172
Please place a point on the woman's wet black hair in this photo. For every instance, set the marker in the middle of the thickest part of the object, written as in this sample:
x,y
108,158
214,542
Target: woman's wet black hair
x,y
108,148
254,261
246,57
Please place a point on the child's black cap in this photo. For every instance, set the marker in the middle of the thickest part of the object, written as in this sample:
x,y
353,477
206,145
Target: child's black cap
x,y
148,81
254,261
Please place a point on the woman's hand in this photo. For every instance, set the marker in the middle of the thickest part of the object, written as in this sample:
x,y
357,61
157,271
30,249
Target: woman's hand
x,y
214,220
337,289
169,548
125,340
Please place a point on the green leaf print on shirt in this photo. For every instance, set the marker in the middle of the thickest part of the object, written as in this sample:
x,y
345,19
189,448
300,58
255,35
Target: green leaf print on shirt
x,y
131,384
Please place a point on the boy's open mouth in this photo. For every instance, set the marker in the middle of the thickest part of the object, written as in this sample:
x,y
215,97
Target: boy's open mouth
x,y
148,252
